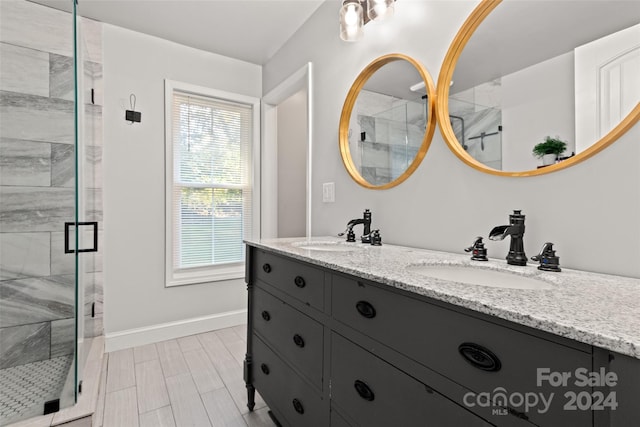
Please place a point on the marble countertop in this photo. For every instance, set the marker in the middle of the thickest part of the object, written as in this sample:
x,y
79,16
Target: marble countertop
x,y
597,309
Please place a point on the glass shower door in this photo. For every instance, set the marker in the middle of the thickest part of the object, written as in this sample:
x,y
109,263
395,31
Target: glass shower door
x,y
38,163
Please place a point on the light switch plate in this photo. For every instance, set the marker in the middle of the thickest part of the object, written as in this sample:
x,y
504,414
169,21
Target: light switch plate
x,y
329,192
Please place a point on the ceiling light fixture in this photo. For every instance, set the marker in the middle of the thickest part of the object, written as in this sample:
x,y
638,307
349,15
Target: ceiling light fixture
x,y
353,17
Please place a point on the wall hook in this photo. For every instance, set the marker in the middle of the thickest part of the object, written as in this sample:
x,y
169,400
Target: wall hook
x,y
132,115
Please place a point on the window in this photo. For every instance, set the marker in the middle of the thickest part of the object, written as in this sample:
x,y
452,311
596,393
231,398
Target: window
x,y
209,211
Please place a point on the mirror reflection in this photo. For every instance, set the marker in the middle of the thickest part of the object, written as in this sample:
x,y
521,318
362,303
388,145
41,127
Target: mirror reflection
x,y
534,72
386,128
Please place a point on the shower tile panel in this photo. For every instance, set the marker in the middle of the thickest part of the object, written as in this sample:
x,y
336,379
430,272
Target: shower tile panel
x,y
63,165
25,163
35,208
36,118
24,70
62,263
92,172
93,124
24,344
61,77
24,254
30,25
62,337
93,326
93,207
93,292
93,80
39,299
92,37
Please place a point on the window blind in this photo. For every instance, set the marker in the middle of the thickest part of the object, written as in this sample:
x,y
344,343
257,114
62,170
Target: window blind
x,y
211,195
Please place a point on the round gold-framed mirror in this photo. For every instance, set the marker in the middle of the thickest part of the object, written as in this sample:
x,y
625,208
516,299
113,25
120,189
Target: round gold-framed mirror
x,y
484,56
387,121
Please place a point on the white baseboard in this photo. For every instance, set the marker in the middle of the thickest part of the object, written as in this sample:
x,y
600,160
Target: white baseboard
x,y
166,331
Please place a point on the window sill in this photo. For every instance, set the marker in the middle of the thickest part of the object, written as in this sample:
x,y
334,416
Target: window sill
x,y
205,275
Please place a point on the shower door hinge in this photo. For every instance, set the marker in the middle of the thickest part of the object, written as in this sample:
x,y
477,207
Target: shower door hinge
x,y
93,96
80,387
93,309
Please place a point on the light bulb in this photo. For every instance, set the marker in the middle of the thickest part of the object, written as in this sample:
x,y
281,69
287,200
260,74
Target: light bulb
x,y
351,21
380,9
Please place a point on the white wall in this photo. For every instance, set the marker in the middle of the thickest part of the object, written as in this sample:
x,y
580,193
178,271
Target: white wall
x,y
135,296
292,166
589,211
544,91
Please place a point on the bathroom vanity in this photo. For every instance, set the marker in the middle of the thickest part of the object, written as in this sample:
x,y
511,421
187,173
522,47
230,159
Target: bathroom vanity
x,y
346,334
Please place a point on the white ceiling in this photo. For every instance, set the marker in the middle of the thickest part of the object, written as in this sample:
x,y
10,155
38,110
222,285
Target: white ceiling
x,y
249,30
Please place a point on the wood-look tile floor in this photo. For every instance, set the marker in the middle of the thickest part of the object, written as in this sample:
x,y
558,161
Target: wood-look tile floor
x,y
191,381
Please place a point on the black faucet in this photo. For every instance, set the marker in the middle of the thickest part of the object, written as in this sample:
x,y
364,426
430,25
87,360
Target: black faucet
x,y
515,229
366,233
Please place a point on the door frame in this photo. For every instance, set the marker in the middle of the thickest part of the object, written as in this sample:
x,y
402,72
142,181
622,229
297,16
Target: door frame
x,y
300,80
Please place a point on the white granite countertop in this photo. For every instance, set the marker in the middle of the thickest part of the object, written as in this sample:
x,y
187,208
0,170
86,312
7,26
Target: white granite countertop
x,y
597,309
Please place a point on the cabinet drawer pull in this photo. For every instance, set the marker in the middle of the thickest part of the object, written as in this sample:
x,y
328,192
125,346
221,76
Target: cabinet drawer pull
x,y
265,369
480,357
266,267
299,281
364,391
266,316
366,309
297,405
298,340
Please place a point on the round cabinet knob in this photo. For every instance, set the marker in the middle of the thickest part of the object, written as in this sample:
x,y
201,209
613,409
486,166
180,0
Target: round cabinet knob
x,y
479,357
297,339
366,309
266,267
297,405
299,281
265,369
364,391
266,316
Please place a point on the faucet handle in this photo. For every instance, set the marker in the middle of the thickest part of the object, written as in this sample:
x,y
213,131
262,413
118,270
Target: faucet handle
x,y
478,251
351,236
376,239
547,258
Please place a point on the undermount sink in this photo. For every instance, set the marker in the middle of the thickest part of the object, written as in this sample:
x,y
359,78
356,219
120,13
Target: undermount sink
x,y
328,246
480,276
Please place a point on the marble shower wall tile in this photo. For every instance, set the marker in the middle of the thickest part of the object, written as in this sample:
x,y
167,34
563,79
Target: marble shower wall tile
x,y
93,207
92,167
93,80
24,70
36,118
61,77
38,299
24,255
31,25
63,165
63,333
25,163
62,263
24,344
32,209
93,125
91,39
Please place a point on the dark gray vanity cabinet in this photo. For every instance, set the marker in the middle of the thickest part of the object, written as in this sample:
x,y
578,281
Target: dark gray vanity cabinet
x,y
329,349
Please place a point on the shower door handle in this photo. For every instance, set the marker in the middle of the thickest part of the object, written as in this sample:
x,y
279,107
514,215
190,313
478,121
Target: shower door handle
x,y
67,246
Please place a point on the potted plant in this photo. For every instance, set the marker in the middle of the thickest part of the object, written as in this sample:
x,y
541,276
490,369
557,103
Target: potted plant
x,y
549,150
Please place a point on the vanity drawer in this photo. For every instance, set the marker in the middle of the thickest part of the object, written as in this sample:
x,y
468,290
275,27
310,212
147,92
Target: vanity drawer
x,y
374,393
437,338
297,337
301,281
283,389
